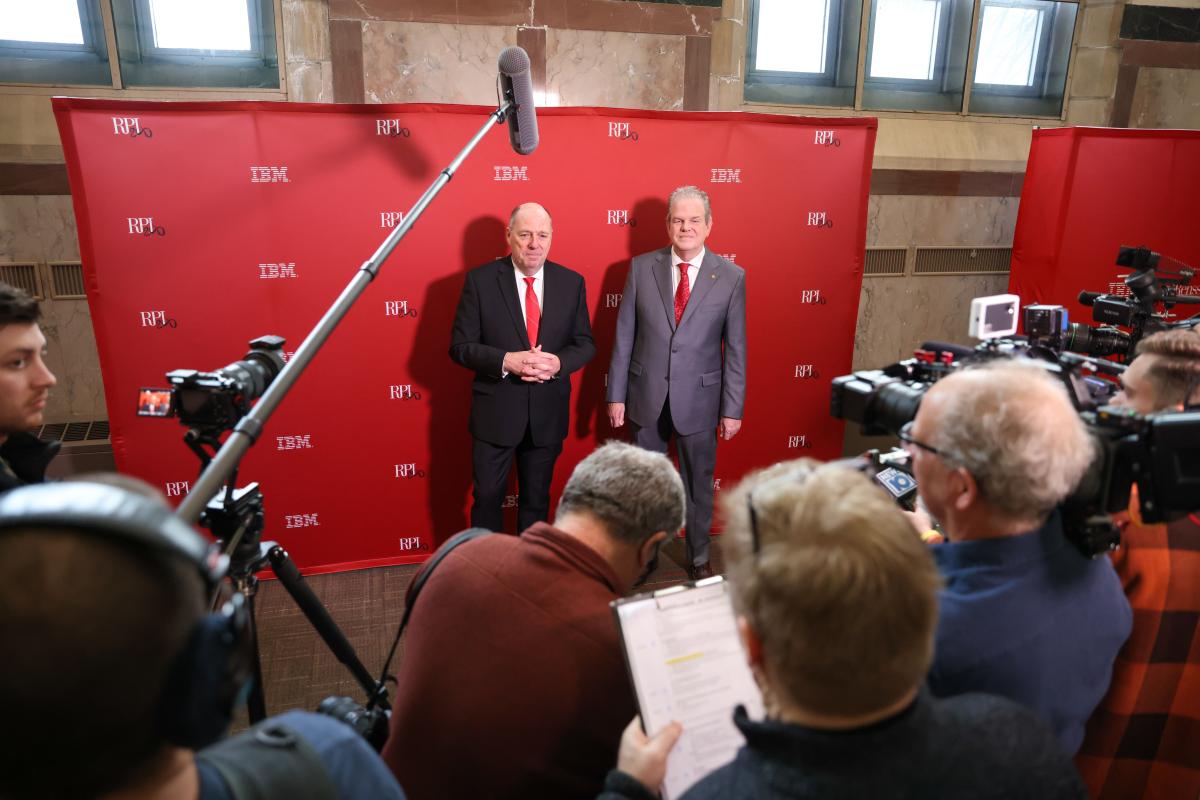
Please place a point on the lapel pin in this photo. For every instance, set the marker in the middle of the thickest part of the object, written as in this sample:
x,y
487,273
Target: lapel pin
x,y
713,276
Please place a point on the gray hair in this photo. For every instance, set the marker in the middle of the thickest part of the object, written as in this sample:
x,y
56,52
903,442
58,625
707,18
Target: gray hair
x,y
634,492
694,192
512,218
1012,426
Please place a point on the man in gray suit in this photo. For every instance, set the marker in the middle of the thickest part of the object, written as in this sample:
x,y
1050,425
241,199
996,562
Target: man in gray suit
x,y
679,361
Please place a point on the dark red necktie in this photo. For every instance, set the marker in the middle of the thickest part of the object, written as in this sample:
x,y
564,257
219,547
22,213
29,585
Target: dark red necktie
x,y
533,314
683,292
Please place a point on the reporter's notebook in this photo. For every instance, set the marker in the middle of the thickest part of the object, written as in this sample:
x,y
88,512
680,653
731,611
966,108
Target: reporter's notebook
x,y
687,664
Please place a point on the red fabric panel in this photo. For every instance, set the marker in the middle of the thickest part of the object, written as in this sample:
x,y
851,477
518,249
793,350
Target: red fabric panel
x,y
1088,191
789,197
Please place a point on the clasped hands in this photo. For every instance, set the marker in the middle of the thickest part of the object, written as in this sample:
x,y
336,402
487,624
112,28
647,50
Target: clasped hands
x,y
533,365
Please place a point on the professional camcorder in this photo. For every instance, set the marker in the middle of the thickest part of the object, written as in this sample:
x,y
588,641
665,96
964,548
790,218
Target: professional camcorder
x,y
1160,453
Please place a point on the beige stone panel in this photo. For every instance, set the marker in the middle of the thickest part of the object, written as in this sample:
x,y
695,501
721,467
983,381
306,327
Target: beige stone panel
x,y
981,145
71,355
728,48
310,81
1089,111
727,95
28,120
1101,24
1166,98
931,221
306,30
1171,3
407,62
1095,72
624,70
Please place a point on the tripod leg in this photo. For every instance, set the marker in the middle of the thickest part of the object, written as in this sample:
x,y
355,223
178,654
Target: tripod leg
x,y
310,604
256,704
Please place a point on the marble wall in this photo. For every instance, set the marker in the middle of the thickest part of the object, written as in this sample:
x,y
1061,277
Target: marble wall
x,y
617,69
413,62
1166,98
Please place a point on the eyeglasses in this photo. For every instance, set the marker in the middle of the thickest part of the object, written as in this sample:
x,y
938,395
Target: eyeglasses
x,y
799,476
905,435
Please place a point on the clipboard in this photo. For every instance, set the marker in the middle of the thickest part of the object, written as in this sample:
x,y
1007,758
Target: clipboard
x,y
686,662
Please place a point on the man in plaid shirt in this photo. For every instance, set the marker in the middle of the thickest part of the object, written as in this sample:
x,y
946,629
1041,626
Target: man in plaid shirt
x,y
1142,739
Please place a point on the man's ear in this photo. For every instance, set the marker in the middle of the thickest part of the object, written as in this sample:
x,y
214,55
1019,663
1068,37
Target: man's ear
x,y
750,641
965,487
650,547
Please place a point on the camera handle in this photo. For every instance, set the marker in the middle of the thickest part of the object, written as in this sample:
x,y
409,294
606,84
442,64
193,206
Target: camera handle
x,y
250,427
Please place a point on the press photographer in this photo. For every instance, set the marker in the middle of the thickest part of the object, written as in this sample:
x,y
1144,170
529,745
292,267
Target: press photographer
x,y
1025,614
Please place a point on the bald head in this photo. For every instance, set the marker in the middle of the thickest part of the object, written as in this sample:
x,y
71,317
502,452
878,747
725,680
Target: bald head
x,y
529,233
1012,426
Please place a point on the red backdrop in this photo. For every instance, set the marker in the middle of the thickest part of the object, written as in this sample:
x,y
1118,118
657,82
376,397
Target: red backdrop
x,y
1088,191
203,225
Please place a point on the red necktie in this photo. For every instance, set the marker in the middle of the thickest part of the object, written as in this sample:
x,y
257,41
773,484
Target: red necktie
x,y
682,293
533,314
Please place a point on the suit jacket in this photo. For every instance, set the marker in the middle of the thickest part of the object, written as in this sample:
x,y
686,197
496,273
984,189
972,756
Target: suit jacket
x,y
489,324
701,365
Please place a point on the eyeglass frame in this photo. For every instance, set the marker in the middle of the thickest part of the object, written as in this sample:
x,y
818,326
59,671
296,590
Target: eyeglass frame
x,y
905,435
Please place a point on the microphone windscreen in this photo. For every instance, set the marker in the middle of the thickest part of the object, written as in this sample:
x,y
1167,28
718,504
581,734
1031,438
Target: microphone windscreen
x,y
514,65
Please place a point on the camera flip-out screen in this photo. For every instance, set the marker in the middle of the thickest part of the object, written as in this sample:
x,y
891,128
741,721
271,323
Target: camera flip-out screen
x,y
154,402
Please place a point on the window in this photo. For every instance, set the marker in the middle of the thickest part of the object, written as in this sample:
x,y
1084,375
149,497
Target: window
x,y
917,54
53,41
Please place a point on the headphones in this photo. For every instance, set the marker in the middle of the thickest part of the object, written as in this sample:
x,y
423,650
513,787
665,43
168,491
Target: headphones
x,y
211,672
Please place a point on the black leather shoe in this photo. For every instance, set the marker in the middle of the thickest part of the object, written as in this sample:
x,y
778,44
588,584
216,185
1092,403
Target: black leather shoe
x,y
700,571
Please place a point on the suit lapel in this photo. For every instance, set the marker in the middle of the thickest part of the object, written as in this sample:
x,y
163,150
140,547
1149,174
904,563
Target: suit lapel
x,y
706,275
554,302
662,276
508,290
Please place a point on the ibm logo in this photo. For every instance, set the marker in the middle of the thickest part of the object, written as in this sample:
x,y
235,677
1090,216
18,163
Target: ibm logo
x,y
818,219
273,271
156,319
826,138
130,126
805,371
612,300
811,297
730,257
390,219
300,521
510,501
726,175
620,216
269,175
144,226
408,543
302,442
621,130
178,488
402,391
798,442
391,128
511,173
398,308
1118,288
408,471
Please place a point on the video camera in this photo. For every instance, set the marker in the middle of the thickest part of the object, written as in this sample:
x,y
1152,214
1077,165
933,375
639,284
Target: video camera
x,y
1160,453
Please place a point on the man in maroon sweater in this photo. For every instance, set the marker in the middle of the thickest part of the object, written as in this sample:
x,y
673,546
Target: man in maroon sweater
x,y
513,684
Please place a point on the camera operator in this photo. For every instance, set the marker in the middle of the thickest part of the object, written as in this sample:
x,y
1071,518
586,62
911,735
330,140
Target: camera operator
x,y
1024,614
25,383
114,675
1136,745
837,605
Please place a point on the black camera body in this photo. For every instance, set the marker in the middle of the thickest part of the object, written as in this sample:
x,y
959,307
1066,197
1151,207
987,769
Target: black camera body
x,y
371,725
215,401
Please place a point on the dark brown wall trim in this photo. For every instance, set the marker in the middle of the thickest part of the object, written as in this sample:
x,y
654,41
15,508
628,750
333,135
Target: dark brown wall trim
x,y
595,15
1138,53
697,59
345,48
34,179
533,41
946,183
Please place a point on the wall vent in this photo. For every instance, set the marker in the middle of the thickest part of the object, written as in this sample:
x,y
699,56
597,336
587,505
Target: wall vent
x,y
66,280
93,431
962,260
23,276
885,261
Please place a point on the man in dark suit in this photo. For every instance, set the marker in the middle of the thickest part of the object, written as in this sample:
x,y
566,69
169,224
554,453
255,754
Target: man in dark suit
x,y
679,360
522,326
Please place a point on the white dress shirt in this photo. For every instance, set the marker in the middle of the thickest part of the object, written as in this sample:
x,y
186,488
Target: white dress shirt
x,y
693,270
538,289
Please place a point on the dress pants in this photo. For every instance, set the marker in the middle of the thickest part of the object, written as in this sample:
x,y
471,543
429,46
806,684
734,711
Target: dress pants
x,y
697,459
535,468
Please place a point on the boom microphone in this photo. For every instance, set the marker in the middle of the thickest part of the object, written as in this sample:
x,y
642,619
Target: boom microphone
x,y
516,86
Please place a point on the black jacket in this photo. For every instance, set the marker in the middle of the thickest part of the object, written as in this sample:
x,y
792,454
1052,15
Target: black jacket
x,y
23,460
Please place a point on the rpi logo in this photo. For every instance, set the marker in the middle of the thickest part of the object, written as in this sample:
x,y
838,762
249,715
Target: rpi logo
x,y
408,471
301,521
818,219
826,138
273,271
178,488
623,131
157,319
398,308
390,219
391,128
299,442
805,371
716,484
798,442
269,175
730,257
144,226
409,543
130,126
620,216
510,501
612,300
287,355
726,175
811,297
511,173
402,391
